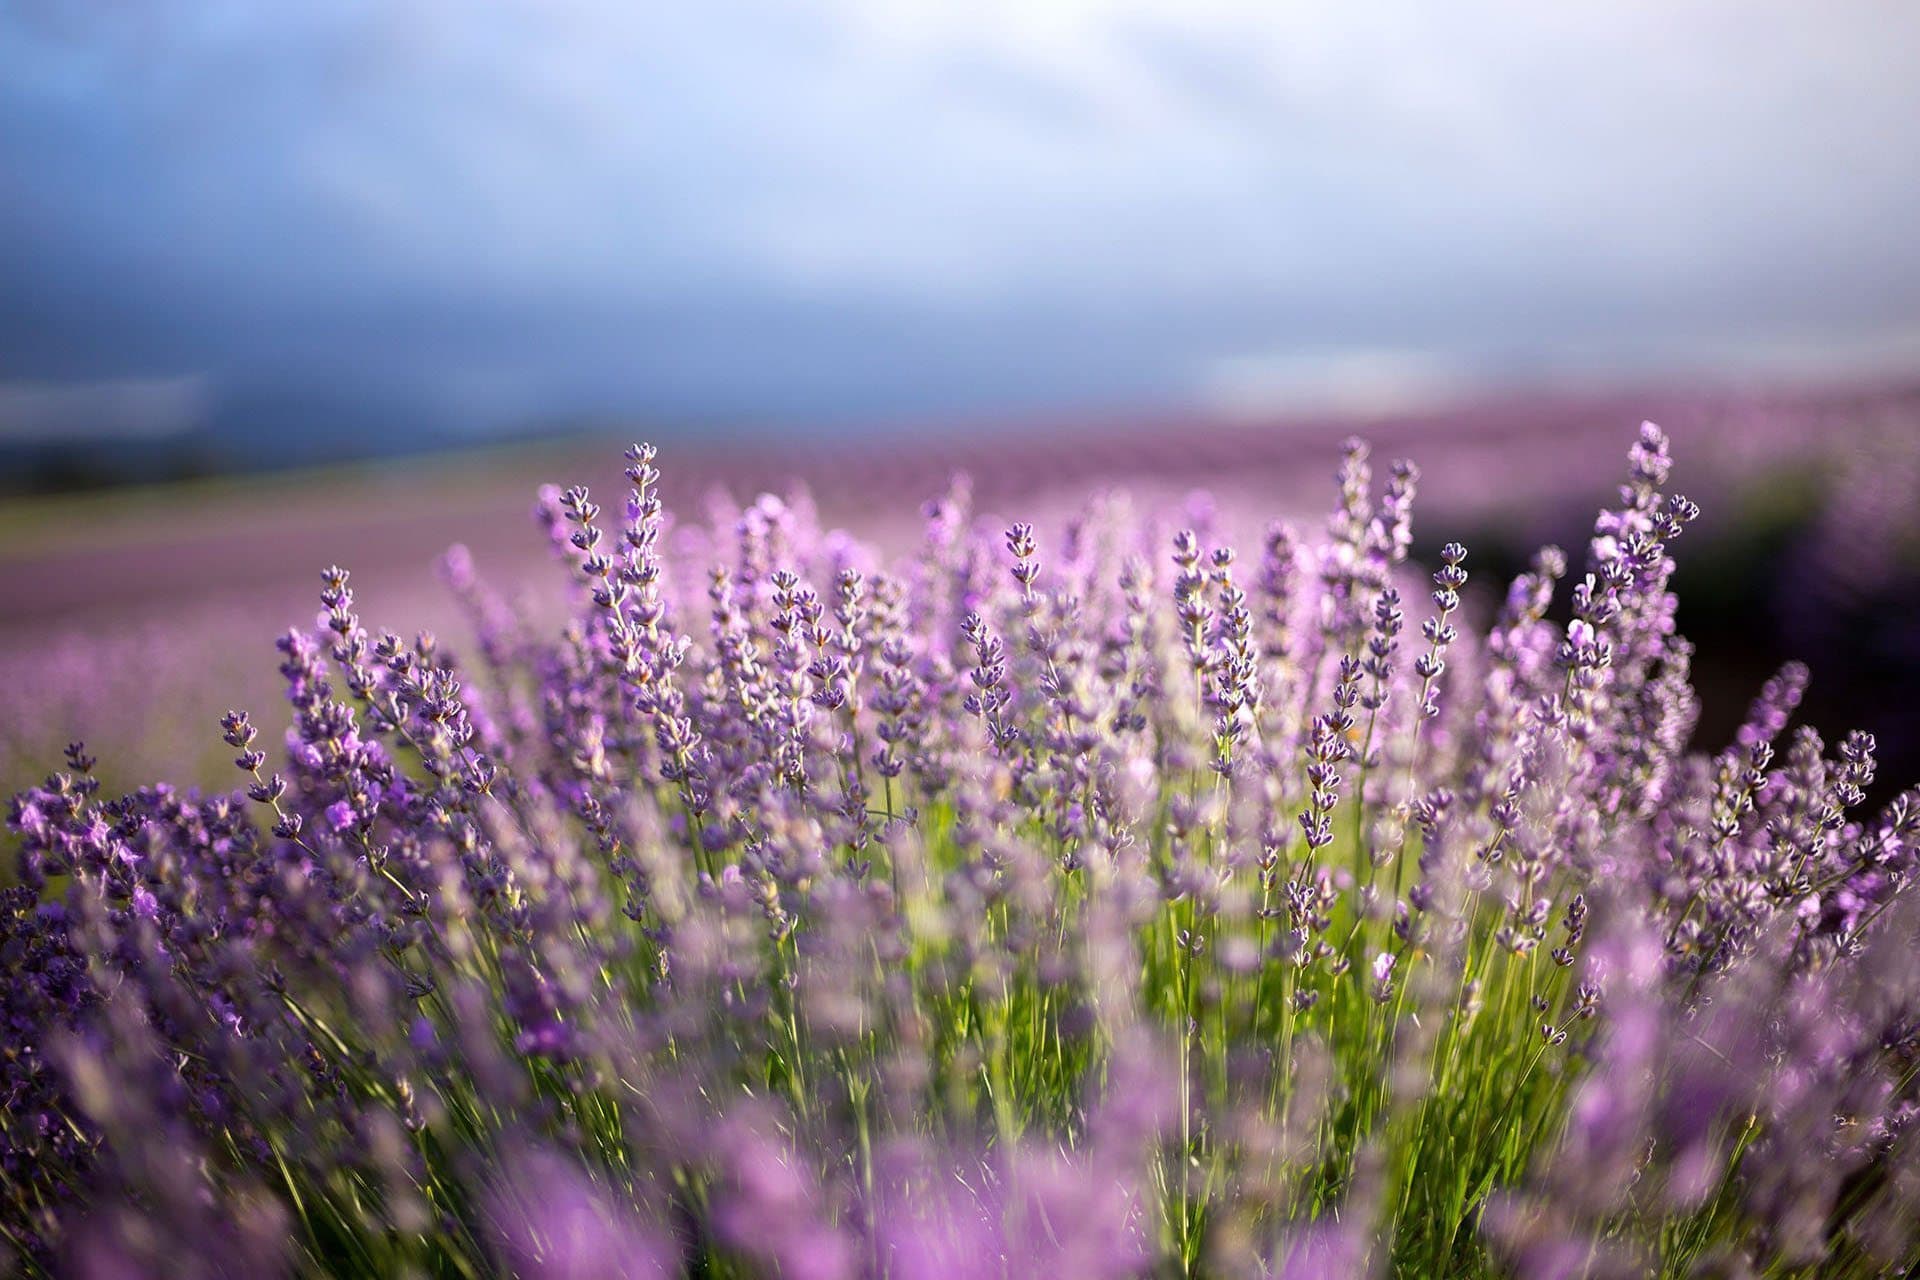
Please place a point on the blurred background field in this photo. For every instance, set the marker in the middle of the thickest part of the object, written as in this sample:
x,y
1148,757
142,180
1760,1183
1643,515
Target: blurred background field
x,y
138,615
287,285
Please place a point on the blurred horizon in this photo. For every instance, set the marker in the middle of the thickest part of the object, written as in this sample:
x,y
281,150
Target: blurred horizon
x,y
234,236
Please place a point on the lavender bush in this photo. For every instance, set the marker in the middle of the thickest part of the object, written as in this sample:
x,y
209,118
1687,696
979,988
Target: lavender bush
x,y
1101,904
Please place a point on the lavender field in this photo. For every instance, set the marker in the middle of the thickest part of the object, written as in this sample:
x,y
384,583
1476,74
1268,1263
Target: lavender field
x,y
1079,875
1256,641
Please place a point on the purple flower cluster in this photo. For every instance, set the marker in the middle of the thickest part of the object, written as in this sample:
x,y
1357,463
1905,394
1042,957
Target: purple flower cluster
x,y
1085,901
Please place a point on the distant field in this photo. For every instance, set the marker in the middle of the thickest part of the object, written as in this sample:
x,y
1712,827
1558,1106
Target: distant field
x,y
164,600
131,551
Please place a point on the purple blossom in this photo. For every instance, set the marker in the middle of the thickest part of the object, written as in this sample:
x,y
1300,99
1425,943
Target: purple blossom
x,y
1132,908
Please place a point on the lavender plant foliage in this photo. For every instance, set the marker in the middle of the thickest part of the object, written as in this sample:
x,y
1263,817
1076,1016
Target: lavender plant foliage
x,y
1091,902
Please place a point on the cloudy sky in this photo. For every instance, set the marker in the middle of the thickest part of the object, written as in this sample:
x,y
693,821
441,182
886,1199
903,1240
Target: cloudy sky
x,y
330,216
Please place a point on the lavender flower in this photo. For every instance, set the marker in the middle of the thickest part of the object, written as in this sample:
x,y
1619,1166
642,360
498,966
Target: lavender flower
x,y
782,911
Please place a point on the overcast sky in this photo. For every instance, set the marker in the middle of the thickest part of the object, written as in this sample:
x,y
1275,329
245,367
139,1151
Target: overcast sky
x,y
465,216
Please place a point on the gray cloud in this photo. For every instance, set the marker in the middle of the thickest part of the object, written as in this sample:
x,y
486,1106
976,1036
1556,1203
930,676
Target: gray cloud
x,y
746,208
119,409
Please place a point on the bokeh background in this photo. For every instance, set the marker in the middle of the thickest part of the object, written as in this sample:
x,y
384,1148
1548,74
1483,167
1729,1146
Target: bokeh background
x,y
284,284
